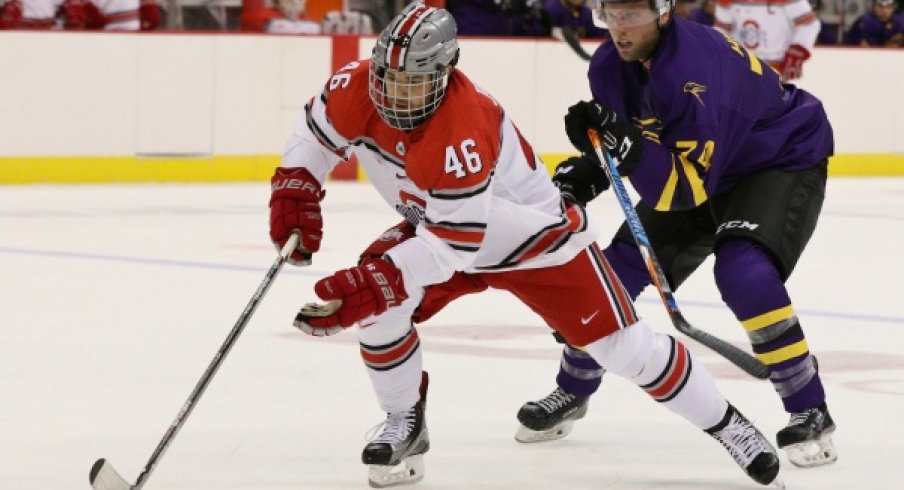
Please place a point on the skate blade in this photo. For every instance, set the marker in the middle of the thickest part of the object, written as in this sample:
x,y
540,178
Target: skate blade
x,y
410,470
778,483
813,453
527,436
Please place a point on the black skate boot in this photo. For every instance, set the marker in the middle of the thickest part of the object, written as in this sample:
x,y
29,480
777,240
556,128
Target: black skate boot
x,y
550,418
749,448
808,438
395,455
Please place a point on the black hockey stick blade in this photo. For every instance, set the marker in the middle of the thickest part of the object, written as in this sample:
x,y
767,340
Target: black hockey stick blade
x,y
104,477
733,354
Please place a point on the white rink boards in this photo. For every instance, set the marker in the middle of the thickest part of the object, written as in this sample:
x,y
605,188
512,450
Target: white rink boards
x,y
115,299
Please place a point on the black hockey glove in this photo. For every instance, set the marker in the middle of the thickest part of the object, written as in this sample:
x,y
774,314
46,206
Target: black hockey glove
x,y
622,139
580,179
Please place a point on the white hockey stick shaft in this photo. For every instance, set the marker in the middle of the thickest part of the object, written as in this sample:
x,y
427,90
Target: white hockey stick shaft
x,y
103,476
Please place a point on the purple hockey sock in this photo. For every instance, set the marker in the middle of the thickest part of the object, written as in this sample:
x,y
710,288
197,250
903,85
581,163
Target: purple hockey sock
x,y
754,290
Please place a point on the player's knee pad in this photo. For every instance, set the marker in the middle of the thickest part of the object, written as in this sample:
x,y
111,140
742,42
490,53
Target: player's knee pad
x,y
637,353
743,267
624,352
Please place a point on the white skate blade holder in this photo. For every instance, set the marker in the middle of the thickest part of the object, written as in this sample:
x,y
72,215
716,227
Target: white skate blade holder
x,y
527,436
808,454
409,470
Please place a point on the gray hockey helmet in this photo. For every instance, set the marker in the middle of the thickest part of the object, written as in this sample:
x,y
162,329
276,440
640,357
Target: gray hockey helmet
x,y
410,65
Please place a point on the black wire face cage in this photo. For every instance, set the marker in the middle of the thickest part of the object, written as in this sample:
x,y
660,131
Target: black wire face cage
x,y
404,99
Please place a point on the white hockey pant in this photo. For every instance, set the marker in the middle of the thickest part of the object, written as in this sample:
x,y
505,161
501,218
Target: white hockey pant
x,y
665,369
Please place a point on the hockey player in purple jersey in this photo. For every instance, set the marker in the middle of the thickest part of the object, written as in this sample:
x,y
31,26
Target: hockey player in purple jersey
x,y
728,162
881,26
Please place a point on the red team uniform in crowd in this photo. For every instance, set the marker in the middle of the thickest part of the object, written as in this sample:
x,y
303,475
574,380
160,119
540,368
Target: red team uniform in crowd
x,y
125,15
779,32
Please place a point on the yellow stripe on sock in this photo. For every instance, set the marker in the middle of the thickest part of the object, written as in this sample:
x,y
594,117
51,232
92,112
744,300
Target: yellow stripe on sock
x,y
769,318
788,352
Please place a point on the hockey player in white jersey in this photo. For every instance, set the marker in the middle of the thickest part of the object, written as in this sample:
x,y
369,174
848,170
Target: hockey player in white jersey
x,y
779,32
480,211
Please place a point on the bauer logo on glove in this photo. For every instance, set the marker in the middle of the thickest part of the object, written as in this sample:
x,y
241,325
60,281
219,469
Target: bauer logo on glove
x,y
352,295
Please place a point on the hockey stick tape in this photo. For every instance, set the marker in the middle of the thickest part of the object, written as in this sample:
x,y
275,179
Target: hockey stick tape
x,y
317,310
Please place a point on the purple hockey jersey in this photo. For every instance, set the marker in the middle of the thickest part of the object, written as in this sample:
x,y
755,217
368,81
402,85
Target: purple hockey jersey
x,y
711,113
868,30
580,19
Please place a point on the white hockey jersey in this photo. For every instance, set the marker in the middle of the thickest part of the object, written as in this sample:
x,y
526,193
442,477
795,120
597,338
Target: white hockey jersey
x,y
282,25
122,15
40,14
481,199
767,27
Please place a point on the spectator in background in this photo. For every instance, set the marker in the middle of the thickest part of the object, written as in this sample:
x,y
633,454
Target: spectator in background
x,y
574,14
149,15
880,27
704,14
120,15
10,14
683,8
525,18
317,9
781,34
478,17
351,22
499,17
50,14
828,32
286,17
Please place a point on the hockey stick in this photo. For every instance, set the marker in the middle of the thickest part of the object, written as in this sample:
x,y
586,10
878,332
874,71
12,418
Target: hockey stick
x,y
103,476
571,38
738,357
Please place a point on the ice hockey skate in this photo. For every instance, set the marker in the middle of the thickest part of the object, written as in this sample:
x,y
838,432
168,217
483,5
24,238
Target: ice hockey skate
x,y
550,418
808,438
395,455
749,448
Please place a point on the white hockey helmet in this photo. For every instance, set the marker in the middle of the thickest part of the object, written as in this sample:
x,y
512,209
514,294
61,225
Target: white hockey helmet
x,y
411,63
606,20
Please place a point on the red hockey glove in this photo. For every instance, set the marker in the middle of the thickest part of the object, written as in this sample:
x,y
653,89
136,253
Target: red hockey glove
x,y
73,12
149,15
295,205
365,290
94,18
792,64
10,14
